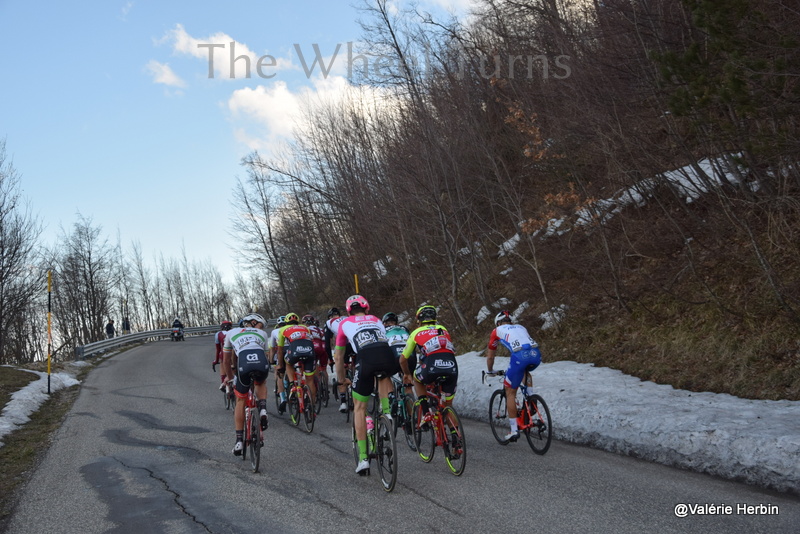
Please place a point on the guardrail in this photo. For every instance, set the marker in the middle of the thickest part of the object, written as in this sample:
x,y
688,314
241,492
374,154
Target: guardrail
x,y
90,349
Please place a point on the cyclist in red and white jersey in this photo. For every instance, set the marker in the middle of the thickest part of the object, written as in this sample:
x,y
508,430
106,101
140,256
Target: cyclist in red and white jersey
x,y
331,331
219,341
367,336
273,358
318,338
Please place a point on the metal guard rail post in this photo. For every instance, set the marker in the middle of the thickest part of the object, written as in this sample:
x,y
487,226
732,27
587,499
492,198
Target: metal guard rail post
x,y
85,351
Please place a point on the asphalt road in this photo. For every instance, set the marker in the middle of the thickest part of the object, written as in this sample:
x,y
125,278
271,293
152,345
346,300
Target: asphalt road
x,y
147,448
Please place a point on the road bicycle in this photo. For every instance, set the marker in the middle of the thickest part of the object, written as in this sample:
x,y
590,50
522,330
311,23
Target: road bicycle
x,y
299,401
253,435
442,428
381,445
323,392
403,411
533,415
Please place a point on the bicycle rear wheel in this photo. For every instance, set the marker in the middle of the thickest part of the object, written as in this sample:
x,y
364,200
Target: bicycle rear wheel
x,y
245,441
348,397
386,452
498,416
540,434
405,420
326,392
318,384
254,426
309,414
424,438
293,404
455,444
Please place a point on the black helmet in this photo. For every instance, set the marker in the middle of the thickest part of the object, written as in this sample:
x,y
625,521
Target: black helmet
x,y
426,314
332,312
391,316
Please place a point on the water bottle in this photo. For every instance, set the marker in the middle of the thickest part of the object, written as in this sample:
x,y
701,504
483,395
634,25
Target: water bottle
x,y
370,424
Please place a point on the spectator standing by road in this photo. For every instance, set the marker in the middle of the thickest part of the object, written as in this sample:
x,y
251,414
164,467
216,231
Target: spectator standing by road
x,y
110,331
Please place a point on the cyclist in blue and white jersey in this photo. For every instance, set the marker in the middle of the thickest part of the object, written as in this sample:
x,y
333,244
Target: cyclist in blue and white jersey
x,y
524,355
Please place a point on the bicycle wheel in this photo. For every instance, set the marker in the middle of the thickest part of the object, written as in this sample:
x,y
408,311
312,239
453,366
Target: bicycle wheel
x,y
348,396
309,415
424,439
246,431
455,444
326,392
405,420
540,434
254,425
498,416
293,404
277,397
386,452
318,402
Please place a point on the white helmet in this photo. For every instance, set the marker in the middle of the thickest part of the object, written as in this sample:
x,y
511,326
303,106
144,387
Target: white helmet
x,y
504,315
254,317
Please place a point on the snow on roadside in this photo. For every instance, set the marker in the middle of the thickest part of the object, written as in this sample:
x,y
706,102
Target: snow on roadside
x,y
28,399
754,441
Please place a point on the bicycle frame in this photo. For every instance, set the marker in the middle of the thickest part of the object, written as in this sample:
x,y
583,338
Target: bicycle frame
x,y
253,434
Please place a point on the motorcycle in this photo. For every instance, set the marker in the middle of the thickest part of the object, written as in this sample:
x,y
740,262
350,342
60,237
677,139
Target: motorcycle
x,y
177,334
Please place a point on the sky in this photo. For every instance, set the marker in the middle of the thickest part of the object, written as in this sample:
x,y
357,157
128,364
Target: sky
x,y
111,109
754,441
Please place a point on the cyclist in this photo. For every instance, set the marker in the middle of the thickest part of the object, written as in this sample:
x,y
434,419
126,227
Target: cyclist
x,y
273,358
300,350
437,358
246,346
367,336
525,355
331,330
219,341
318,338
398,336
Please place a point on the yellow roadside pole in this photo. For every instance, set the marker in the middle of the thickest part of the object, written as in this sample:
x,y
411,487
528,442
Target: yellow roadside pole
x,y
49,335
355,277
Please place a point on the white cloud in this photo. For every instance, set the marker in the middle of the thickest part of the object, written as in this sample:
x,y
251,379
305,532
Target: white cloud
x,y
125,10
265,116
162,73
221,52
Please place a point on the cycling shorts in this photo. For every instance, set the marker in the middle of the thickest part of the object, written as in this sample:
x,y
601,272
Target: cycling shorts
x,y
302,352
371,361
251,365
321,355
526,359
439,365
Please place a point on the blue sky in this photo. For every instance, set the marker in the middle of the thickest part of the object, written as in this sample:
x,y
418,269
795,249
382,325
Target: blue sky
x,y
108,110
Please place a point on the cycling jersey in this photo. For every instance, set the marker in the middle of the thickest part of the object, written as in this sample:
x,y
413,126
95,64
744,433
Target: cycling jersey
x,y
249,345
318,338
301,346
437,357
361,331
366,335
514,337
219,342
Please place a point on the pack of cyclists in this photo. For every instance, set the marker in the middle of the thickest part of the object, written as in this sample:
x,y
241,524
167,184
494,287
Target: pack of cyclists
x,y
372,347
